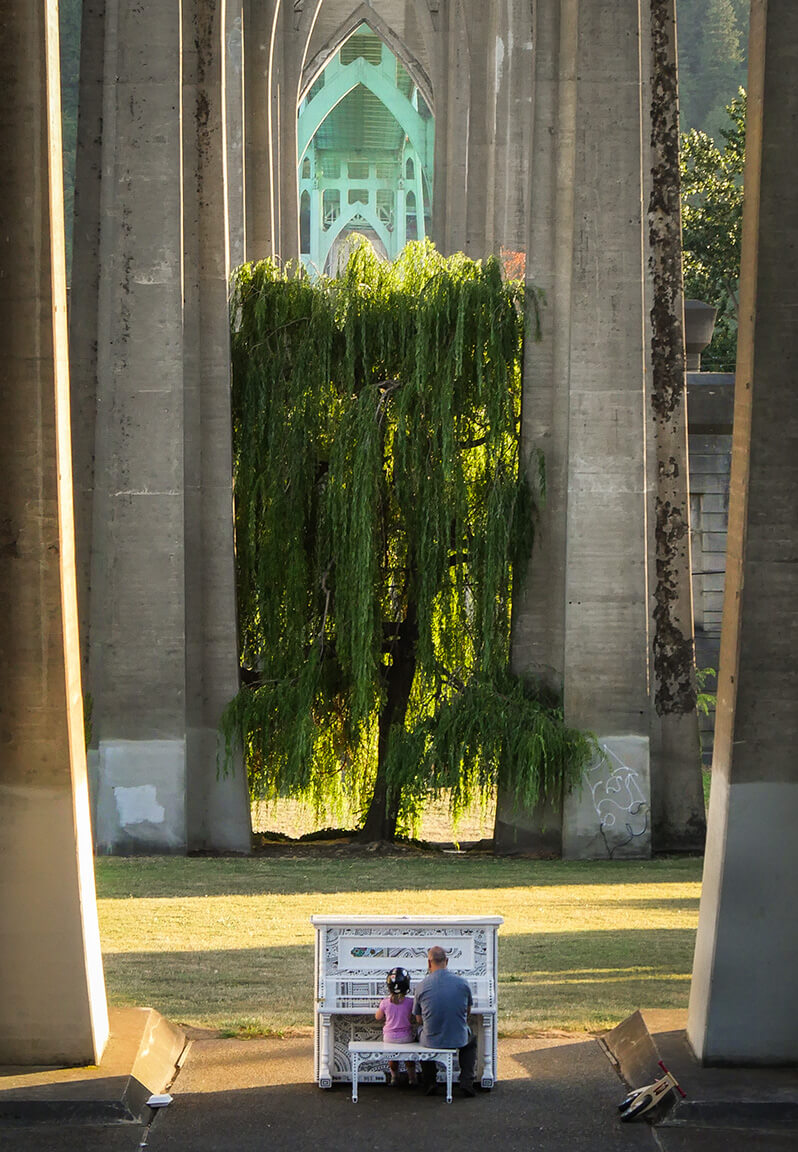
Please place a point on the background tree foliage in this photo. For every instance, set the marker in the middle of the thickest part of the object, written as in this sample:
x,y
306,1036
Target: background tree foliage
x,y
713,60
381,518
712,210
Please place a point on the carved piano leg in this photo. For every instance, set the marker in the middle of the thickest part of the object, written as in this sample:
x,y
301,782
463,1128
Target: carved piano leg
x,y
488,1073
325,1076
355,1071
449,1073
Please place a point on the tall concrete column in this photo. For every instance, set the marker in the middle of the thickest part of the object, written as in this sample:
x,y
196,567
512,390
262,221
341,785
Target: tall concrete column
x,y
500,37
83,310
274,54
452,107
137,638
217,811
677,794
286,75
480,144
162,638
581,624
744,994
234,121
53,1007
259,17
539,605
512,73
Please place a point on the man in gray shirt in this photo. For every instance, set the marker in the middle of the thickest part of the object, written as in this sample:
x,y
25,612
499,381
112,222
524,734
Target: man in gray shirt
x,y
442,1006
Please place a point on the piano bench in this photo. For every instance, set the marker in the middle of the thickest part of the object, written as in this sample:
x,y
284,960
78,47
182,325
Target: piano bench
x,y
361,1051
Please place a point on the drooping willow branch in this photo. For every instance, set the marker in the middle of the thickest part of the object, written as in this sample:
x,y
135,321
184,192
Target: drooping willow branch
x,y
381,519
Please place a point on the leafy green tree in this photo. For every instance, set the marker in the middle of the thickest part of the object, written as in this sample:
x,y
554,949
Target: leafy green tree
x,y
381,518
712,211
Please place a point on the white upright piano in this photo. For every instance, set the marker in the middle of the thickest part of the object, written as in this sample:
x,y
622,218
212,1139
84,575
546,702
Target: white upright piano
x,y
354,954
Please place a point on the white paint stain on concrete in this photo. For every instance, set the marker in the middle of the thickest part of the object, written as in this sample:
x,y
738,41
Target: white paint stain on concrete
x,y
499,62
138,805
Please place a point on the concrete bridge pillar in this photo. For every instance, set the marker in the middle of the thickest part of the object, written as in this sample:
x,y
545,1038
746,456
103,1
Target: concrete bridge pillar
x,y
585,621
52,1008
677,795
512,74
581,622
500,43
162,648
744,994
452,126
258,19
234,112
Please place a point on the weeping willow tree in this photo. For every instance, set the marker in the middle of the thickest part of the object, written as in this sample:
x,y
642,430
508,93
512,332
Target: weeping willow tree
x,y
381,518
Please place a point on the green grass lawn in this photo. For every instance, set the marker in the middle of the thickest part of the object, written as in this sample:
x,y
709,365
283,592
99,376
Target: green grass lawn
x,y
228,944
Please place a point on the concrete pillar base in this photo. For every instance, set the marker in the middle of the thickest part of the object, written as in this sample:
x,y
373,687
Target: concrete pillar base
x,y
141,786
163,796
217,798
521,833
54,1000
609,817
748,932
143,1052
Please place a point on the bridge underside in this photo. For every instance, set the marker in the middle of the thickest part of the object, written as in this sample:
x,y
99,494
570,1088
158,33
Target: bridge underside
x,y
555,138
178,182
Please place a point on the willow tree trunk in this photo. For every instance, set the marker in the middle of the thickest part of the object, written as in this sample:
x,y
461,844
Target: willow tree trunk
x,y
380,822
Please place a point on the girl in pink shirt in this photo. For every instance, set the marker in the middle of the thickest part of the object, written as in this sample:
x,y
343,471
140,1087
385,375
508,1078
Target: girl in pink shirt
x,y
396,1011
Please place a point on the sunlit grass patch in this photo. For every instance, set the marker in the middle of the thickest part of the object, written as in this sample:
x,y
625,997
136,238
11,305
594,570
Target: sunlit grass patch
x,y
228,944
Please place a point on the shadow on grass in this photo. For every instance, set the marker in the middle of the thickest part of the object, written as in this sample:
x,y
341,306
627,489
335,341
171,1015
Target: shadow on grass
x,y
549,975
121,878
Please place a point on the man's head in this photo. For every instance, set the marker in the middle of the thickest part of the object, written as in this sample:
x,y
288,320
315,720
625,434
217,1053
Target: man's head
x,y
436,958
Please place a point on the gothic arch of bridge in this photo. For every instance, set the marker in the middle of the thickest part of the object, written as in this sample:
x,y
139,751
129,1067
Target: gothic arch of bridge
x,y
355,212
285,49
341,82
363,123
366,14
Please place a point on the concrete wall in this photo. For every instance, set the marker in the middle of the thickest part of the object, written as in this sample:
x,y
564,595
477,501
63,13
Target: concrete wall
x,y
744,994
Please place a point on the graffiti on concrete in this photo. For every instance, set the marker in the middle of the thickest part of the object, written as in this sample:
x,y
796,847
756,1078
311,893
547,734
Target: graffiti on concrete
x,y
619,801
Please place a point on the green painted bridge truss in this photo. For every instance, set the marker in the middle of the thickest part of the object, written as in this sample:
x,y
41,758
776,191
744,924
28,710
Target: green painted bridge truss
x,y
365,154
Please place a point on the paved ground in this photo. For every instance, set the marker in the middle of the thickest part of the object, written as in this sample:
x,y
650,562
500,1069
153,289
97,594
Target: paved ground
x,y
260,1091
554,1096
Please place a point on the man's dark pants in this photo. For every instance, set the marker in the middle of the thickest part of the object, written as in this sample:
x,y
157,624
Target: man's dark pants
x,y
467,1057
